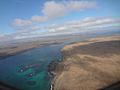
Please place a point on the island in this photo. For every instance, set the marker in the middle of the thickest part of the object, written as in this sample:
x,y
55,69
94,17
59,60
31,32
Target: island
x,y
93,64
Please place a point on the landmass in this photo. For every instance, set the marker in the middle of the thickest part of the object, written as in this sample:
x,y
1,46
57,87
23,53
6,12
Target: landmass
x,y
10,48
93,64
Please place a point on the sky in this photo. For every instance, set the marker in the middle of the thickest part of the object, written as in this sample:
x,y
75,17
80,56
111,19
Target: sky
x,y
21,19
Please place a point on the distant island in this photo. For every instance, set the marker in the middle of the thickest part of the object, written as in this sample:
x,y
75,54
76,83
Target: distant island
x,y
89,65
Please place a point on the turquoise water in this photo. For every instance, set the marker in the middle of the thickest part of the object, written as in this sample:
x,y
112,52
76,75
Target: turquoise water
x,y
28,70
39,58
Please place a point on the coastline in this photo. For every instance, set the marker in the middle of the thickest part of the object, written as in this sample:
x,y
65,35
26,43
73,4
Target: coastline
x,y
57,67
58,71
68,49
9,53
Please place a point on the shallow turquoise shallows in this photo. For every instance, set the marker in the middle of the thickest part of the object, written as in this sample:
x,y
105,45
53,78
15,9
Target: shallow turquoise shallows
x,y
28,70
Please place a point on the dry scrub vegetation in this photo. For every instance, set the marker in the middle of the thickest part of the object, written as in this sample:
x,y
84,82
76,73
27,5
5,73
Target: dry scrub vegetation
x,y
90,65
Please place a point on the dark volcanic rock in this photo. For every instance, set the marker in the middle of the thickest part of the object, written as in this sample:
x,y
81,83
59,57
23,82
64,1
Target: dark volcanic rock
x,y
52,67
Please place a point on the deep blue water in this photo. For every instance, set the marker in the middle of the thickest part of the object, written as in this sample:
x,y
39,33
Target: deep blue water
x,y
10,67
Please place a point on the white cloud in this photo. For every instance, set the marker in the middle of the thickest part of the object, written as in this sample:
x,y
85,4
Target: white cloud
x,y
1,35
52,9
35,28
87,23
39,18
21,22
90,24
98,21
80,5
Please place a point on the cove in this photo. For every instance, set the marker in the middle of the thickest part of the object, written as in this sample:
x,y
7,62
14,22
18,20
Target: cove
x,y
28,70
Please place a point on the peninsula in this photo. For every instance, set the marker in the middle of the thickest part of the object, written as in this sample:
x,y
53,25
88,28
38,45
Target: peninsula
x,y
89,65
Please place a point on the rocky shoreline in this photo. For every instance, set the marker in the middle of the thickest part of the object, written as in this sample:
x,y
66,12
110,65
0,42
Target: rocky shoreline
x,y
52,72
54,68
95,61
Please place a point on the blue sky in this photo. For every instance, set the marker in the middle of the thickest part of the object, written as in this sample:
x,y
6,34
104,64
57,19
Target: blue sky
x,y
30,15
11,9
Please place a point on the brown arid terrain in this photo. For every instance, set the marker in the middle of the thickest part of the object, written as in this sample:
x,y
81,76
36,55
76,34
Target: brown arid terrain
x,y
89,65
